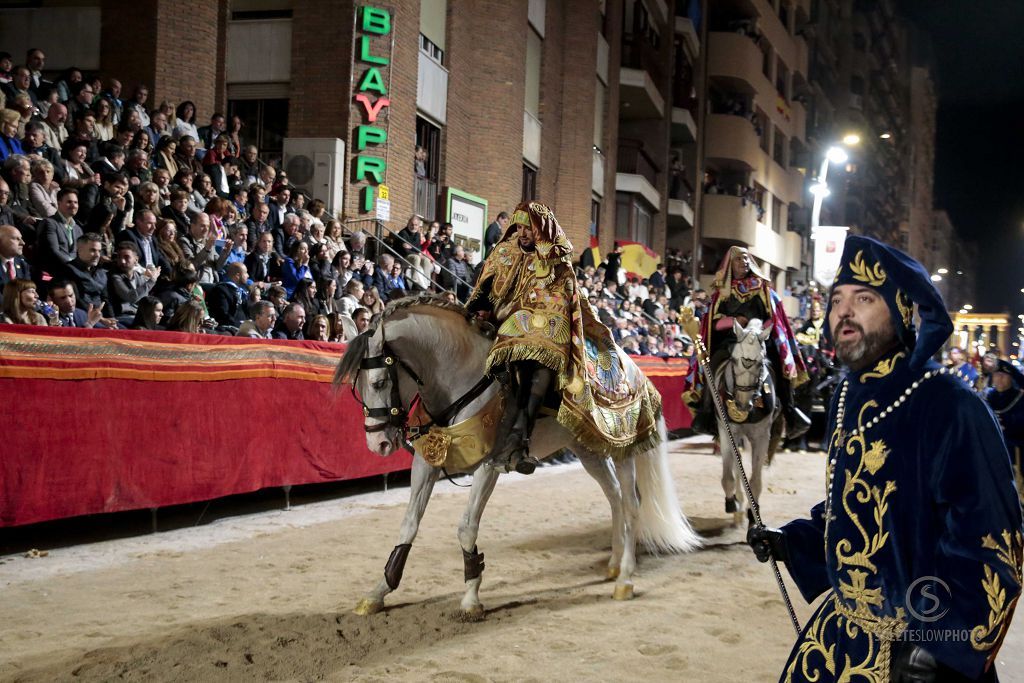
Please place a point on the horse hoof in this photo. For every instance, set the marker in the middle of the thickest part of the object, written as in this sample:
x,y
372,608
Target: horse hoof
x,y
474,613
737,517
612,573
730,504
623,591
366,607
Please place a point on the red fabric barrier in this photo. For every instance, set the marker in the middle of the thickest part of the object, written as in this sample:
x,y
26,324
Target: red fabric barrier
x,y
100,421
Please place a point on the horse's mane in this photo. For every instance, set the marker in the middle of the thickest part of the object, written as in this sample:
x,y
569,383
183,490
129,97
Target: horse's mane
x,y
348,366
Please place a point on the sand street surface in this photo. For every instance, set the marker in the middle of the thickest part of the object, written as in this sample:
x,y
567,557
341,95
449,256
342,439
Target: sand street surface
x,y
269,596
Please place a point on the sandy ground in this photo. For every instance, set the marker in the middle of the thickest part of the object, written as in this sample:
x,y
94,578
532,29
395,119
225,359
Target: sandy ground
x,y
269,596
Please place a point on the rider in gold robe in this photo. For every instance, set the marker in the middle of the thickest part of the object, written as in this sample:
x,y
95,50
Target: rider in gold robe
x,y
549,338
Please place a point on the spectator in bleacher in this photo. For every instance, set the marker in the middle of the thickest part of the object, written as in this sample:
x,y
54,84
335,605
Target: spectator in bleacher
x,y
276,294
162,180
99,221
223,176
184,286
188,318
291,322
200,248
59,233
371,300
73,170
149,312
62,294
142,235
137,167
295,267
268,178
111,159
442,247
163,156
42,191
186,121
263,263
334,240
202,193
209,134
249,164
240,201
6,68
20,84
157,128
319,265
352,298
13,265
177,210
167,242
258,223
138,105
17,174
327,295
216,152
56,133
215,210
460,278
84,271
81,100
238,252
149,198
318,329
361,317
125,136
104,112
278,204
341,263
261,326
129,281
229,300
113,95
410,245
287,234
35,61
20,301
114,195
34,143
83,128
394,279
10,144
305,295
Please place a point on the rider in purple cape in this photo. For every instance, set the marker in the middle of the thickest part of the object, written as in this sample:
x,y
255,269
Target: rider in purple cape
x,y
917,545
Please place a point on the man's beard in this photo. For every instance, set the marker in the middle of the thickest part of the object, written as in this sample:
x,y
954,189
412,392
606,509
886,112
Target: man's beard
x,y
866,350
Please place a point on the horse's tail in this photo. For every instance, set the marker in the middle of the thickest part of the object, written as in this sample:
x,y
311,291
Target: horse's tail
x,y
662,526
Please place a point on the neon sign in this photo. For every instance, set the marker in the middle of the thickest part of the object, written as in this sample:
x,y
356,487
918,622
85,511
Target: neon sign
x,y
372,97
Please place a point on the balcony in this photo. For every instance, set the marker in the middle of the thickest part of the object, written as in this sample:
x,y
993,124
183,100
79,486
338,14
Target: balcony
x,y
680,214
729,218
684,129
732,142
691,40
432,89
636,172
640,81
736,62
425,199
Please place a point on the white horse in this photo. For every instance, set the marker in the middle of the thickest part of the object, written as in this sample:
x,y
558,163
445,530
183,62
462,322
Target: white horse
x,y
747,386
422,345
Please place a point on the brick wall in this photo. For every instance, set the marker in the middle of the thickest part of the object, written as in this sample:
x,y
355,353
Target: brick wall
x,y
483,142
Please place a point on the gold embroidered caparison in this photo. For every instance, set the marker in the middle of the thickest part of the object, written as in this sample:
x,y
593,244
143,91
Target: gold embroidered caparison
x,y
1009,552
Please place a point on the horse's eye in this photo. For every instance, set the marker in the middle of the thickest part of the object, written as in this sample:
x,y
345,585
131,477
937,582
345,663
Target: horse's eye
x,y
379,384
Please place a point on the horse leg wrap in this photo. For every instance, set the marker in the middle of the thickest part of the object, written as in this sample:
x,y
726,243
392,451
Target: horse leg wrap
x,y
473,563
396,565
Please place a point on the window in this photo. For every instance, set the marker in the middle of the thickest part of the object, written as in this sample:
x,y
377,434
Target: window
x,y
534,47
776,215
529,183
782,80
633,219
595,218
643,224
779,148
766,60
784,15
433,14
265,123
600,103
431,50
426,166
762,128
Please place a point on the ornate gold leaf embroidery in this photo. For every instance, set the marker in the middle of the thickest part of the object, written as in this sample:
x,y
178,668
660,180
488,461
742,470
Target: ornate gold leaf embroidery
x,y
862,272
882,369
989,636
875,456
906,307
433,446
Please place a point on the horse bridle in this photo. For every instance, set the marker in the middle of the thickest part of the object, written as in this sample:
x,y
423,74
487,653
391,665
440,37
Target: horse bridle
x,y
394,414
397,415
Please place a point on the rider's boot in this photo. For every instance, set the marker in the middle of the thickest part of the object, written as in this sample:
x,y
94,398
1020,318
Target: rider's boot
x,y
520,457
503,444
797,422
704,417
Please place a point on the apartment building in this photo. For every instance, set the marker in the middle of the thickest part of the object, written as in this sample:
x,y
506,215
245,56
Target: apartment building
x,y
756,148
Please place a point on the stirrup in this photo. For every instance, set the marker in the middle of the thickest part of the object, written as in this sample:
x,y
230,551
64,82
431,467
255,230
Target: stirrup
x,y
525,463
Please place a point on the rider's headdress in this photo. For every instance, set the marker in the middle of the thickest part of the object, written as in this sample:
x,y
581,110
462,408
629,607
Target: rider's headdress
x,y
551,239
903,283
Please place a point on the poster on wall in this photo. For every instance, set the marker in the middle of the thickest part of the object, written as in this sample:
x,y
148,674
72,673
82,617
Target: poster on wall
x,y
828,250
468,215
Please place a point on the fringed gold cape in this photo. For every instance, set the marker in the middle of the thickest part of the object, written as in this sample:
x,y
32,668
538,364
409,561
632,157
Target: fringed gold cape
x,y
607,403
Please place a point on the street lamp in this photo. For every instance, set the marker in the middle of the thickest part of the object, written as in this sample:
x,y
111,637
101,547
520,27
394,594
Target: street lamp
x,y
834,155
936,277
942,271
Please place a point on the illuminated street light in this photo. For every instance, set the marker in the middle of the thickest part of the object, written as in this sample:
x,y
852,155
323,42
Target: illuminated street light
x,y
820,190
943,271
968,307
959,272
938,278
837,155
885,136
851,139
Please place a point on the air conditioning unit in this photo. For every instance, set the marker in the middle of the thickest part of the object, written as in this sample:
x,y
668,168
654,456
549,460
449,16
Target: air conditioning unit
x,y
317,167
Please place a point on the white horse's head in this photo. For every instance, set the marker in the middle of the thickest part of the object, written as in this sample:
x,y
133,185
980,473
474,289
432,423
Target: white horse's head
x,y
373,371
749,354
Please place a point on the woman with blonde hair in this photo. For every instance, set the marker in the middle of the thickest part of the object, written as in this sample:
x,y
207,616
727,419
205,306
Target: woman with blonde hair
x,y
42,192
104,119
19,304
148,198
167,240
188,317
334,239
318,328
371,301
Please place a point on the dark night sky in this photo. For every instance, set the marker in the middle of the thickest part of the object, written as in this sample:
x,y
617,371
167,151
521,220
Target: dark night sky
x,y
979,49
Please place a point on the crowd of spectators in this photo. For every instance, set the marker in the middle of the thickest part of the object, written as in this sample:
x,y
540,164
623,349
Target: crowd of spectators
x,y
118,212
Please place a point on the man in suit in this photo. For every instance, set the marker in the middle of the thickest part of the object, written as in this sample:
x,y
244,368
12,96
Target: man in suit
x,y
258,222
35,61
20,84
142,236
85,273
223,176
228,300
494,232
34,143
58,233
62,293
279,206
263,264
128,281
12,265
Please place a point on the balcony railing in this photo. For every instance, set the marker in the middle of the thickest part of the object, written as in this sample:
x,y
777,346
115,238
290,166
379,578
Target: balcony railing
x,y
425,198
633,159
637,53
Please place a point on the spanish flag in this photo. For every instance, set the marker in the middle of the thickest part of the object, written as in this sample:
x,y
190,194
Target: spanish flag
x,y
638,260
